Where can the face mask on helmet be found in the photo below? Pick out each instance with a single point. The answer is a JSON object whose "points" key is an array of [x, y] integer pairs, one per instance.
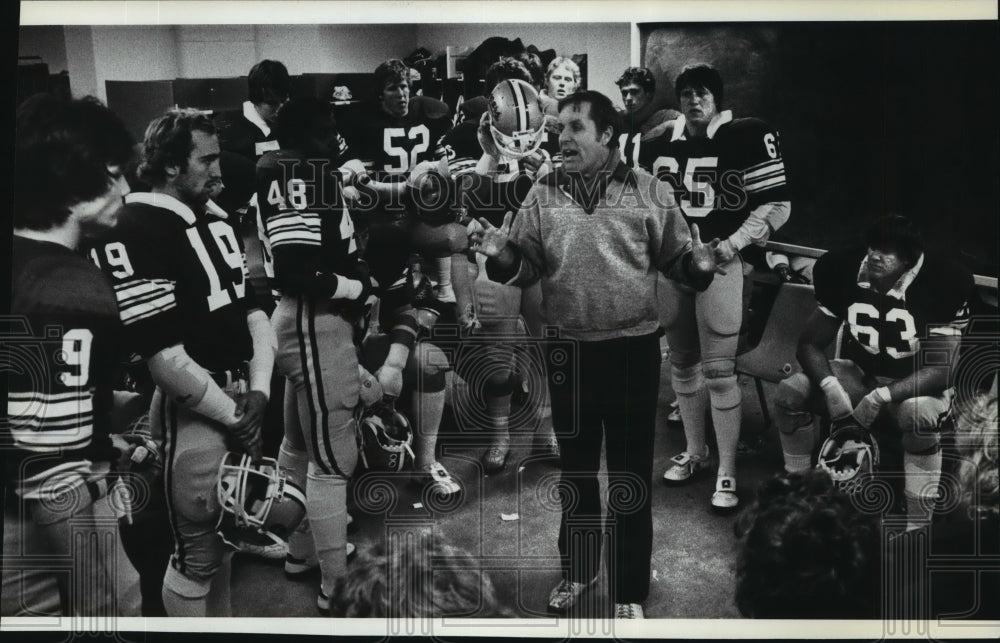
{"points": [[516, 119], [256, 500], [385, 438], [849, 455]]}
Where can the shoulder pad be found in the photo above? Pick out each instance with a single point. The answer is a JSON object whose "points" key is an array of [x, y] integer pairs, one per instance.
{"points": [[749, 126], [74, 286], [430, 108]]}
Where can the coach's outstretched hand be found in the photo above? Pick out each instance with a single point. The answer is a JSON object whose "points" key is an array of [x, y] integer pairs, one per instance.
{"points": [[703, 254], [494, 242]]}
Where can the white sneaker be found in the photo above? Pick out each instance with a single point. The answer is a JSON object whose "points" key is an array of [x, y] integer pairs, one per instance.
{"points": [[725, 499], [437, 478], [303, 568], [629, 610], [269, 551], [300, 568], [674, 417], [446, 293], [685, 466]]}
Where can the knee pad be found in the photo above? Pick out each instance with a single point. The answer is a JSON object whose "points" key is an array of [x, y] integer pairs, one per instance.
{"points": [[294, 461], [186, 587], [315, 472], [793, 393], [719, 368], [724, 391], [427, 368], [687, 380], [920, 436], [790, 401]]}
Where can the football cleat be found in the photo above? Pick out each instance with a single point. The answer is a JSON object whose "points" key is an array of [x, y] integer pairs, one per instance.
{"points": [[848, 454], [385, 438], [257, 500], [517, 121]]}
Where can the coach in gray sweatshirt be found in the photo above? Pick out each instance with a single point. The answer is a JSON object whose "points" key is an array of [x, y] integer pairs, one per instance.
{"points": [[595, 233]]}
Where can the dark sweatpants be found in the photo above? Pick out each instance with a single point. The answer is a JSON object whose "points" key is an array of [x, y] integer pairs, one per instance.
{"points": [[611, 393]]}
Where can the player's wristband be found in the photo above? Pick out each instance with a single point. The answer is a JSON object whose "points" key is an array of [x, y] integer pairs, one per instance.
{"points": [[404, 333], [347, 288], [216, 405], [264, 349], [837, 400], [883, 394], [185, 381], [398, 354]]}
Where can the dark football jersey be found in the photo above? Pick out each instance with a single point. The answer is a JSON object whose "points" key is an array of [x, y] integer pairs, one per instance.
{"points": [[180, 278], [308, 229], [239, 135], [719, 179], [344, 154], [495, 196], [62, 347], [630, 141], [882, 332], [390, 147], [462, 148]]}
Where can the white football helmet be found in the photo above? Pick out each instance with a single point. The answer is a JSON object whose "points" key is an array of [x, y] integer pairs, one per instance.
{"points": [[257, 499], [517, 121]]}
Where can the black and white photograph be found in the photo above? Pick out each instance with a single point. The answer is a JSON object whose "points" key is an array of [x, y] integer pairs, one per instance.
{"points": [[505, 319]]}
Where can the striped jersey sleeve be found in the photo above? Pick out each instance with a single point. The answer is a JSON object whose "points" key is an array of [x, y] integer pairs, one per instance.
{"points": [[755, 150], [61, 348], [308, 231]]}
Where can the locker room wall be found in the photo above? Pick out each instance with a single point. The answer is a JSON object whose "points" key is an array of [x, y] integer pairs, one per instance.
{"points": [[93, 55], [608, 46], [874, 118]]}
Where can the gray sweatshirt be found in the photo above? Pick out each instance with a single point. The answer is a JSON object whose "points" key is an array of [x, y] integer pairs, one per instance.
{"points": [[597, 255]]}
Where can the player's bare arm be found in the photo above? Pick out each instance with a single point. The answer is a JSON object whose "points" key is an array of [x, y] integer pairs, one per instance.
{"points": [[189, 384], [820, 332]]}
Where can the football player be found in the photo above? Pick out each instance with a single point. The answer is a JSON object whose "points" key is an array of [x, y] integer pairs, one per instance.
{"points": [[249, 133], [324, 285], [244, 137], [639, 120], [178, 274], [58, 448], [411, 368], [400, 133], [729, 178], [562, 78], [495, 180], [903, 312]]}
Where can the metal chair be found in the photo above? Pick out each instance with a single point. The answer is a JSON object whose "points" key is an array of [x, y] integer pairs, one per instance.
{"points": [[773, 359]]}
